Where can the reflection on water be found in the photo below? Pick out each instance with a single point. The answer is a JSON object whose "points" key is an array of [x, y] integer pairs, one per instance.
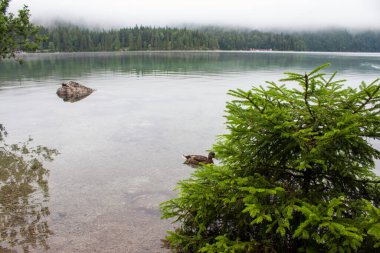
{"points": [[73, 98], [121, 148], [45, 66], [24, 194]]}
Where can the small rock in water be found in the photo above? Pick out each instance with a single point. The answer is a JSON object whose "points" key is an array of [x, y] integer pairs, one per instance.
{"points": [[73, 91]]}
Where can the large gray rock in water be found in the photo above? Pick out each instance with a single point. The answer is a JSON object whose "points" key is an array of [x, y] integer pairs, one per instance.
{"points": [[73, 91]]}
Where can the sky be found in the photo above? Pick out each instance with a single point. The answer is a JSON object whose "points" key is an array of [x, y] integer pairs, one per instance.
{"points": [[253, 14]]}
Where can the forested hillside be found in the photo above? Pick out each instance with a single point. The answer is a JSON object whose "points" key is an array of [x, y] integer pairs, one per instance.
{"points": [[68, 38]]}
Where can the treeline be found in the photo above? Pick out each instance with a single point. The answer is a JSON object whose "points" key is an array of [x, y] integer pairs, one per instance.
{"points": [[68, 38]]}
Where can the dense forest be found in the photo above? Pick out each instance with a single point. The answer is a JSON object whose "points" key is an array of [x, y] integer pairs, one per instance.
{"points": [[69, 38]]}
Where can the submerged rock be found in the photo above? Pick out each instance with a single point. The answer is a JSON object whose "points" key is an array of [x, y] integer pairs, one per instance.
{"points": [[73, 91]]}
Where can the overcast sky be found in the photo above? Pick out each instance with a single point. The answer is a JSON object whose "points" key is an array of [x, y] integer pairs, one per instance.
{"points": [[257, 14]]}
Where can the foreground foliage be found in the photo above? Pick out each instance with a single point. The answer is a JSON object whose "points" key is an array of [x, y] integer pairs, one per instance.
{"points": [[16, 31], [295, 174]]}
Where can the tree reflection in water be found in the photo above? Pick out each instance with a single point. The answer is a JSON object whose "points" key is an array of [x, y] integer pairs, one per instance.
{"points": [[24, 194]]}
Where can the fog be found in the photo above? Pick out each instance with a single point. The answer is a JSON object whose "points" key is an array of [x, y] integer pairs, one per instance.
{"points": [[254, 14]]}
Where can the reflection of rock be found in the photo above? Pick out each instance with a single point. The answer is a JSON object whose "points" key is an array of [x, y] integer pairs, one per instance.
{"points": [[73, 91]]}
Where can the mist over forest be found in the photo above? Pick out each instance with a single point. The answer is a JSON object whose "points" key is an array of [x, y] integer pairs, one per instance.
{"points": [[65, 37]]}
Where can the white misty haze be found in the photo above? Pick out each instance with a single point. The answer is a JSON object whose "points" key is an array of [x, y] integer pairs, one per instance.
{"points": [[257, 14]]}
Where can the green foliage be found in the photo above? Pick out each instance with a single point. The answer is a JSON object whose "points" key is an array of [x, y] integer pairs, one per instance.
{"points": [[67, 38], [16, 32], [295, 173]]}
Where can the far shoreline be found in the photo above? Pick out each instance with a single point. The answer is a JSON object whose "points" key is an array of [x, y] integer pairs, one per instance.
{"points": [[146, 52]]}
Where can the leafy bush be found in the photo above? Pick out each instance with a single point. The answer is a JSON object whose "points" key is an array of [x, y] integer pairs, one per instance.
{"points": [[295, 174], [16, 31]]}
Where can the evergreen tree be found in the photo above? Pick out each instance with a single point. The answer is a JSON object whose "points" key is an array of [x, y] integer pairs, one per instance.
{"points": [[295, 174], [71, 38]]}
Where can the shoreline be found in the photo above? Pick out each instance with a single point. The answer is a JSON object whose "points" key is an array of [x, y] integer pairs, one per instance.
{"points": [[21, 55]]}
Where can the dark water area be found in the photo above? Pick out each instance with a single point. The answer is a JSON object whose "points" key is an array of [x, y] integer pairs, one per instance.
{"points": [[120, 147]]}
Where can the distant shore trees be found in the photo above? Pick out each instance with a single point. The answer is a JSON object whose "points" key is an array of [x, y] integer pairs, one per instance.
{"points": [[70, 38]]}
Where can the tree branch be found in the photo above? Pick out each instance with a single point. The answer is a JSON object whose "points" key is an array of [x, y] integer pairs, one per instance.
{"points": [[370, 96], [306, 96]]}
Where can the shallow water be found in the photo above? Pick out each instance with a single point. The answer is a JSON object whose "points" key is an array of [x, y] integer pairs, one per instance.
{"points": [[121, 146]]}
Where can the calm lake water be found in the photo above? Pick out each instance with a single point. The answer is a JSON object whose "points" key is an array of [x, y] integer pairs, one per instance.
{"points": [[121, 146]]}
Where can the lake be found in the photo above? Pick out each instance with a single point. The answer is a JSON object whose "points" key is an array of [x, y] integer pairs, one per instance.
{"points": [[121, 147]]}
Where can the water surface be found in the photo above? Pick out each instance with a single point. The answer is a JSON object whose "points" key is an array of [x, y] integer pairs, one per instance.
{"points": [[121, 146]]}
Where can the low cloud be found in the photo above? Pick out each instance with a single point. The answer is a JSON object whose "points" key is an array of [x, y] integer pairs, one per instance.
{"points": [[263, 14]]}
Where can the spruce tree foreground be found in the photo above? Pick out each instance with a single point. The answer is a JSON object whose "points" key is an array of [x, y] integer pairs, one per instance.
{"points": [[295, 173]]}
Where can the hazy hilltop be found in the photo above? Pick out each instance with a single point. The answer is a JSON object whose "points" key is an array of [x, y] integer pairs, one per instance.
{"points": [[289, 15], [341, 25]]}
